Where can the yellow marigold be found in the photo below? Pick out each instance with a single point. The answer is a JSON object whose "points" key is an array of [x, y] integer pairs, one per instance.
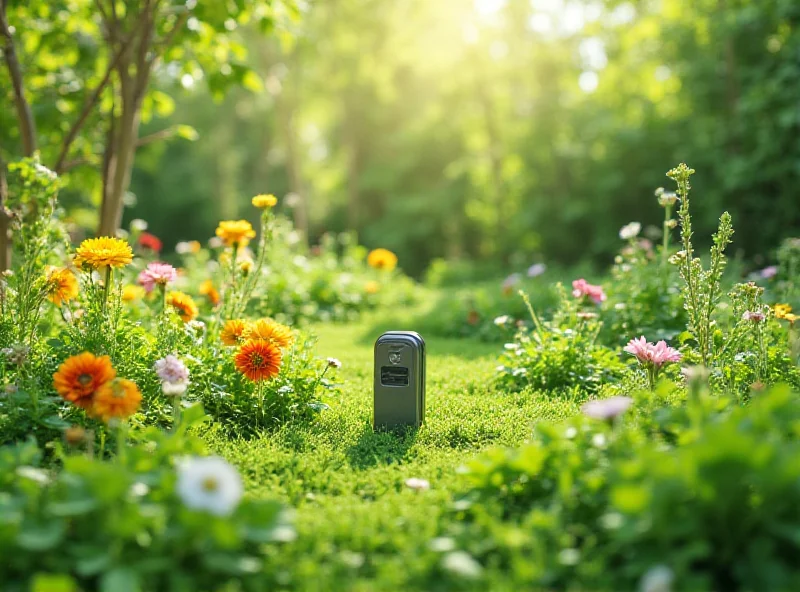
{"points": [[118, 399], [372, 287], [258, 360], [62, 285], [235, 232], [183, 303], [233, 332], [131, 293], [79, 377], [208, 290], [781, 310], [264, 201], [103, 252], [382, 259], [272, 331]]}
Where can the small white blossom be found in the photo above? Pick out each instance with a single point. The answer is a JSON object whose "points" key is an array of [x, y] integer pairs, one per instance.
{"points": [[462, 564], [536, 270], [502, 320], [630, 231], [210, 484], [657, 579], [418, 484], [334, 363], [138, 225]]}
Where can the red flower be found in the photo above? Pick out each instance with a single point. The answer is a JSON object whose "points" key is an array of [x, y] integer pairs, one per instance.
{"points": [[150, 241]]}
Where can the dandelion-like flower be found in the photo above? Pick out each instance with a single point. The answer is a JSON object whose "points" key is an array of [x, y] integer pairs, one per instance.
{"points": [[208, 290], [606, 409], [156, 274], [117, 399], [104, 251], [264, 201], [258, 360], [150, 242], [233, 332], [667, 199], [334, 363], [372, 287], [235, 232], [382, 259], [79, 378], [581, 288], [784, 313], [131, 293], [630, 231], [62, 285], [184, 304], [270, 330], [209, 484], [418, 484]]}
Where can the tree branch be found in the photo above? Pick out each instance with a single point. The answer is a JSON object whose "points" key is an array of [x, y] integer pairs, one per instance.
{"points": [[156, 136], [5, 236], [89, 104], [27, 125]]}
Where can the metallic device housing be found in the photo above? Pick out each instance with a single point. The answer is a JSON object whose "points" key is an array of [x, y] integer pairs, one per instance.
{"points": [[399, 380]]}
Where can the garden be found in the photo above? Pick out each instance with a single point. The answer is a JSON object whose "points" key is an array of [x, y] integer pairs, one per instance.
{"points": [[189, 311]]}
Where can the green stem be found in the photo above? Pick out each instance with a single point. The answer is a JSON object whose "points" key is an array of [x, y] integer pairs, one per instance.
{"points": [[176, 413], [107, 287], [122, 434]]}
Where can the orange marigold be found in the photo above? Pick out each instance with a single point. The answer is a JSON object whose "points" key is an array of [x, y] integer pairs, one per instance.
{"points": [[233, 333], [103, 252], [208, 290], [183, 303], [258, 360], [62, 285], [117, 399], [235, 232], [272, 331], [382, 259], [79, 377]]}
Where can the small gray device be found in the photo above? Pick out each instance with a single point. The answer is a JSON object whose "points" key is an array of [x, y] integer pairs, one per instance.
{"points": [[399, 383]]}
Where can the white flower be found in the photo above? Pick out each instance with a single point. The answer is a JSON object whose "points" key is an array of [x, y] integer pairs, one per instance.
{"points": [[138, 225], [210, 484], [536, 270], [502, 320], [630, 231], [418, 484], [334, 363], [462, 564], [174, 389], [183, 248], [657, 579]]}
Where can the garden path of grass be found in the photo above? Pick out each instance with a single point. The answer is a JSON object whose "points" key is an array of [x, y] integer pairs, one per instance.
{"points": [[359, 526]]}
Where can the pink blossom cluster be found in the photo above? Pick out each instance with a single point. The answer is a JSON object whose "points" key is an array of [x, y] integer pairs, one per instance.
{"points": [[156, 273], [581, 288], [649, 354], [174, 375]]}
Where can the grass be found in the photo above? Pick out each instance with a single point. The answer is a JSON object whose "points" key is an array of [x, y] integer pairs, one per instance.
{"points": [[359, 526]]}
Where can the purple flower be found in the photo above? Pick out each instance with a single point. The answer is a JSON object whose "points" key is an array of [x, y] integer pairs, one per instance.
{"points": [[536, 270], [754, 317], [170, 369], [606, 409], [769, 272]]}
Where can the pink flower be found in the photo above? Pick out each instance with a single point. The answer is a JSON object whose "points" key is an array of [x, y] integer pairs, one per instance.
{"points": [[769, 272], [652, 355], [606, 409], [581, 288], [170, 369], [754, 317], [156, 273]]}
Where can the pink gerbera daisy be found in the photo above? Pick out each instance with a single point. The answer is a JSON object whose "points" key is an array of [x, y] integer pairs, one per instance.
{"points": [[156, 273]]}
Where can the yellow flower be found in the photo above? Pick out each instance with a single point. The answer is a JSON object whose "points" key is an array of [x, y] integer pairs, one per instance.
{"points": [[117, 399], [233, 332], [208, 290], [264, 201], [103, 252], [270, 330], [194, 246], [62, 285], [235, 232], [372, 287], [131, 293], [246, 266], [183, 303], [782, 310], [382, 259]]}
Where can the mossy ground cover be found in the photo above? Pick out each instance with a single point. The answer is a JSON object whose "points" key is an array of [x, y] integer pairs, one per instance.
{"points": [[359, 526]]}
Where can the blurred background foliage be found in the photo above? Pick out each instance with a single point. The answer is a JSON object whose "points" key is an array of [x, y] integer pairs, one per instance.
{"points": [[505, 131]]}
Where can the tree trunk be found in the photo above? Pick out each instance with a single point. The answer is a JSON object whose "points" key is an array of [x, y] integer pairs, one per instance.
{"points": [[5, 230]]}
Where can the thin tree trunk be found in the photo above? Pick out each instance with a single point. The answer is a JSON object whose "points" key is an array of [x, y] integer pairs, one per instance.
{"points": [[5, 230], [27, 125]]}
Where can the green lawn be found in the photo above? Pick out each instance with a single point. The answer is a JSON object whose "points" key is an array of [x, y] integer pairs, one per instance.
{"points": [[359, 526]]}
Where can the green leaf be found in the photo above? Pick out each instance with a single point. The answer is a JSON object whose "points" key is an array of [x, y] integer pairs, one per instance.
{"points": [[41, 537], [72, 507], [252, 82], [187, 132], [93, 564], [120, 579], [53, 583]]}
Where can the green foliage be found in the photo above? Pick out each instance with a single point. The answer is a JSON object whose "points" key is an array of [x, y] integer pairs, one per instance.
{"points": [[124, 524]]}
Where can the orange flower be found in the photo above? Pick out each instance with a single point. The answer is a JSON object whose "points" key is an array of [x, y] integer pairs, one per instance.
{"points": [[62, 285], [235, 232], [272, 331], [79, 377], [117, 399], [183, 303], [207, 289], [233, 332], [382, 259], [103, 252], [258, 360]]}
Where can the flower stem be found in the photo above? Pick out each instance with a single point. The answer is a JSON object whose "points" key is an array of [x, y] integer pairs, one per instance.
{"points": [[107, 287], [176, 413], [122, 435]]}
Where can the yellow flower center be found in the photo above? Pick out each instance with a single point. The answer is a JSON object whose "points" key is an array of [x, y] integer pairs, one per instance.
{"points": [[257, 360], [85, 379], [210, 484]]}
